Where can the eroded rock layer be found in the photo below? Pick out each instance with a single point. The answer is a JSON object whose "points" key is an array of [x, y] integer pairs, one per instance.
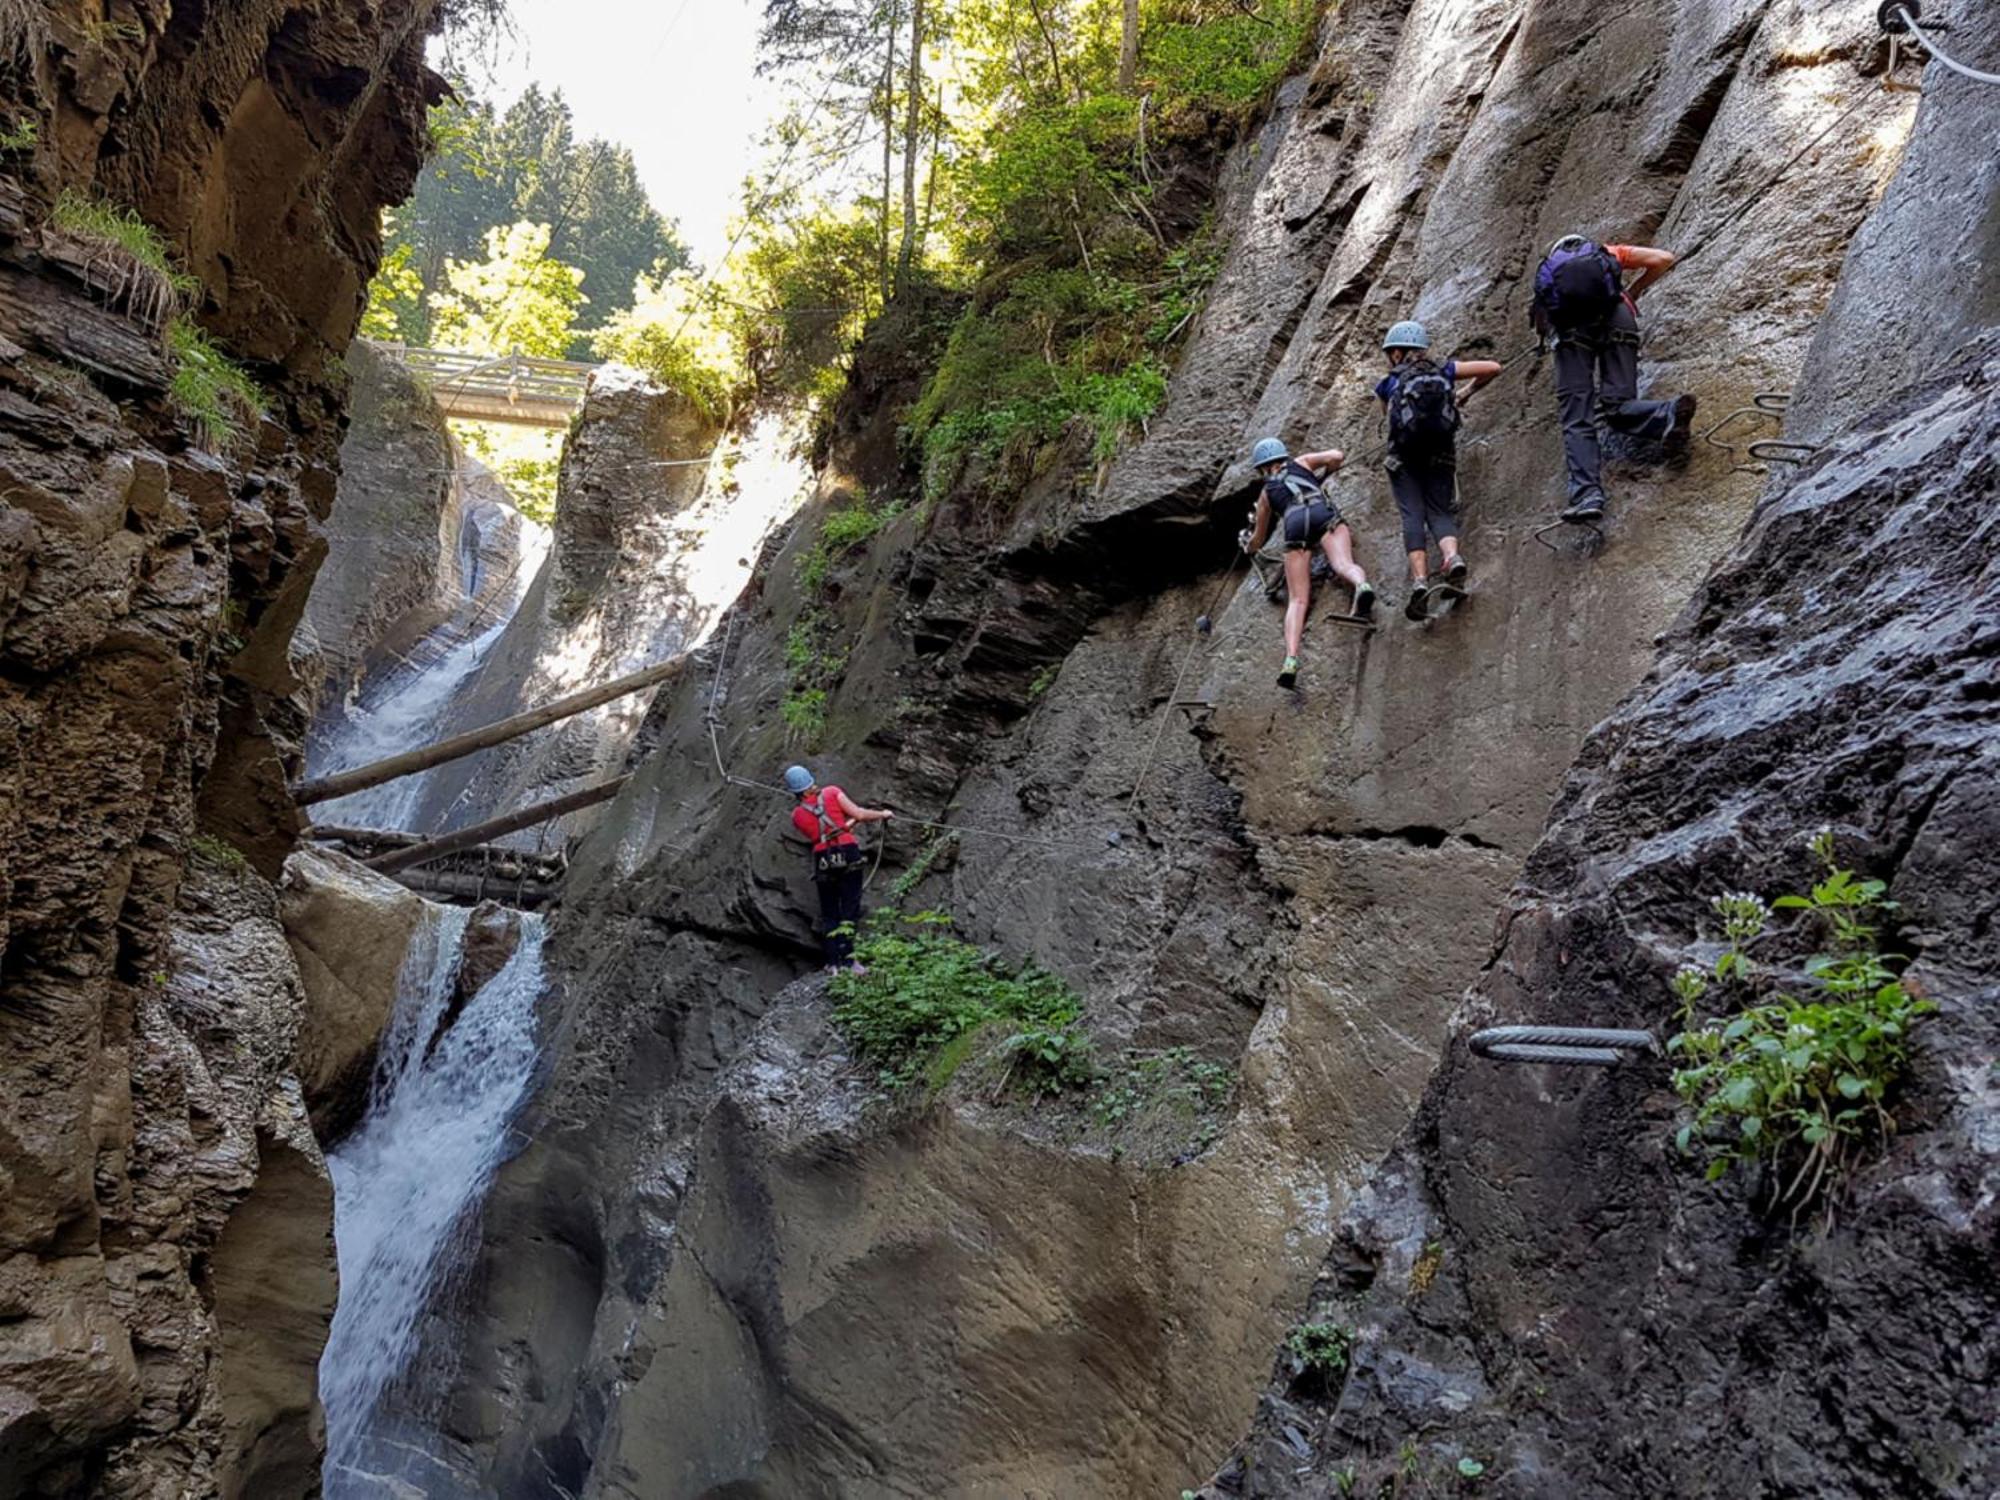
{"points": [[165, 1256]]}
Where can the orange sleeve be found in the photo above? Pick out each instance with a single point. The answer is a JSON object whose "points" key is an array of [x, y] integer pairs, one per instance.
{"points": [[1623, 254]]}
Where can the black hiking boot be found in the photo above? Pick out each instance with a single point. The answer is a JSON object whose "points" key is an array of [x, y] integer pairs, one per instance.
{"points": [[1587, 512], [1364, 602], [1417, 606], [1674, 446], [1288, 674]]}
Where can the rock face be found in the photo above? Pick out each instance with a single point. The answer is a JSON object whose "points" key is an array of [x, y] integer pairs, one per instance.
{"points": [[611, 597], [350, 930], [786, 1293], [426, 554], [164, 1218], [1590, 1318]]}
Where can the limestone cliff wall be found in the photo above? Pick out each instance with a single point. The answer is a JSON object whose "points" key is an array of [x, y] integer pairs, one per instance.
{"points": [[165, 1257], [715, 1265]]}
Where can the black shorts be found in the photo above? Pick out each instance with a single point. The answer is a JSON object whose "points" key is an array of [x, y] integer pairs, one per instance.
{"points": [[1304, 525]]}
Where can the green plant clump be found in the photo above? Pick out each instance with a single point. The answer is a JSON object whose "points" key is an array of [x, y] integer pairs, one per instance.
{"points": [[1319, 1354], [209, 389], [224, 855], [1796, 1082], [927, 995], [21, 137]]}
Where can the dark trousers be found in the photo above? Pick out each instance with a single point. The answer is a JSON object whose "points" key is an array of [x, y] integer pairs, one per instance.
{"points": [[1597, 379], [1426, 491], [839, 906]]}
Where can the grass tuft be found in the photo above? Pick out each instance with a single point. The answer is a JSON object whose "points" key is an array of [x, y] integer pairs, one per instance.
{"points": [[212, 393]]}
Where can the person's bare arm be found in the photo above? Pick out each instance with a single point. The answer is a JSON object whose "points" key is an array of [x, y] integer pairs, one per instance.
{"points": [[1650, 263], [858, 814], [1478, 371], [1261, 531], [1325, 462]]}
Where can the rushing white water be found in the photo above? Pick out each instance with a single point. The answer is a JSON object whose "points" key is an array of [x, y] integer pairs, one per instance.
{"points": [[409, 1181], [420, 696]]}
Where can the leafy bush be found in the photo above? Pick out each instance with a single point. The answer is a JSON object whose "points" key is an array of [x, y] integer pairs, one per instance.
{"points": [[804, 713], [925, 989], [220, 853], [1796, 1083], [212, 393], [1318, 1353], [22, 136]]}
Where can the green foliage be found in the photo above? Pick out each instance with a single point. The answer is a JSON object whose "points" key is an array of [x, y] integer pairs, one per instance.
{"points": [[1175, 1080], [21, 137], [210, 391], [812, 666], [845, 529], [1228, 63], [1044, 680], [1796, 1083], [518, 298], [673, 332], [147, 281], [1470, 1468], [921, 867], [220, 853], [1318, 1353], [489, 170], [396, 311], [925, 989]]}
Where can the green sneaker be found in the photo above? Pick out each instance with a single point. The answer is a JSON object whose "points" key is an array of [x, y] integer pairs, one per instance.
{"points": [[1288, 675]]}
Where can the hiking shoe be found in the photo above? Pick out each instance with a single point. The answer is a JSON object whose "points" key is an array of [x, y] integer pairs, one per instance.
{"points": [[1455, 571], [1586, 511], [1680, 431], [1288, 674], [1364, 602], [1417, 605]]}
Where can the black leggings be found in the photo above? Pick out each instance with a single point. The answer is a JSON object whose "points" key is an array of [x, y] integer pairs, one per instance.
{"points": [[839, 906], [1427, 495]]}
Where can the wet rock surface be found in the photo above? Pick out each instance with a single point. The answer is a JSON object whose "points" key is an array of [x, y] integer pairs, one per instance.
{"points": [[164, 1220], [1300, 887]]}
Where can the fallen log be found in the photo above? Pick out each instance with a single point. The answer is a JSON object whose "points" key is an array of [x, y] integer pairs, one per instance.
{"points": [[306, 793], [493, 828], [459, 886]]}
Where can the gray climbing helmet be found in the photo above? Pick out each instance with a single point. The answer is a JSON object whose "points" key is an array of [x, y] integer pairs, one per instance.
{"points": [[798, 779], [1269, 451], [1407, 335], [1568, 242]]}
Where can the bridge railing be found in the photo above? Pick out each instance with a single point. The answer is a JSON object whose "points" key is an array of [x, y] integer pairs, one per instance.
{"points": [[518, 379]]}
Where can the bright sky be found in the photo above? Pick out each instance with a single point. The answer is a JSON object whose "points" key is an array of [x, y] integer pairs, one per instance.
{"points": [[673, 79]]}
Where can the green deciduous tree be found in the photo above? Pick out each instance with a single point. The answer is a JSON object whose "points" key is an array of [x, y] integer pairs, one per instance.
{"points": [[518, 297]]}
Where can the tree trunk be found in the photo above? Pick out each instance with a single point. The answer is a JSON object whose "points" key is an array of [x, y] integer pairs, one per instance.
{"points": [[888, 156], [481, 833], [460, 745], [1128, 49], [913, 122]]}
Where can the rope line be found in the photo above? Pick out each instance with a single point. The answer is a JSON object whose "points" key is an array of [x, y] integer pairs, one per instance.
{"points": [[1938, 53]]}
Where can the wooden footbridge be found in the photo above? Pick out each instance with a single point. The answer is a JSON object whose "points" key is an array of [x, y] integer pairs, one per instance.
{"points": [[516, 388]]}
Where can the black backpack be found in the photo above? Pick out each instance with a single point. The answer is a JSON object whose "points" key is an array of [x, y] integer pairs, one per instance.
{"points": [[1579, 289], [1423, 409]]}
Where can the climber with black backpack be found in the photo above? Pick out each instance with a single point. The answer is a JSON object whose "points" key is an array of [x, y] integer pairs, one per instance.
{"points": [[826, 817], [1421, 398], [1294, 503], [1582, 301]]}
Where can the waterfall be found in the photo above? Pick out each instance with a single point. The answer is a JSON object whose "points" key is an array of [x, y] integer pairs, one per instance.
{"points": [[408, 1184], [412, 706]]}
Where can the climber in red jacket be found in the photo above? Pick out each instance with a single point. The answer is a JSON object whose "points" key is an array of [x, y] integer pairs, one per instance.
{"points": [[826, 816]]}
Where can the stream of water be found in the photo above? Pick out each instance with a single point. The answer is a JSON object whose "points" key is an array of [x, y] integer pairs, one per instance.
{"points": [[408, 1184]]}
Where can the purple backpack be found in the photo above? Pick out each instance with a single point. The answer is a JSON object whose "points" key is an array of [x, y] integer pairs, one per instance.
{"points": [[1579, 288]]}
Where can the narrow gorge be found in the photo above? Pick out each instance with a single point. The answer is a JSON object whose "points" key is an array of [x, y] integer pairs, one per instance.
{"points": [[557, 1166]]}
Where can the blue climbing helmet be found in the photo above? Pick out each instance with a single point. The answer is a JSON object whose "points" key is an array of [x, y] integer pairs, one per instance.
{"points": [[1407, 334], [798, 779], [1269, 451]]}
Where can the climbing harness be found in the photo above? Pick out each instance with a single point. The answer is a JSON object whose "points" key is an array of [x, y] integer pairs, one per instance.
{"points": [[1899, 18], [1577, 1046]]}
